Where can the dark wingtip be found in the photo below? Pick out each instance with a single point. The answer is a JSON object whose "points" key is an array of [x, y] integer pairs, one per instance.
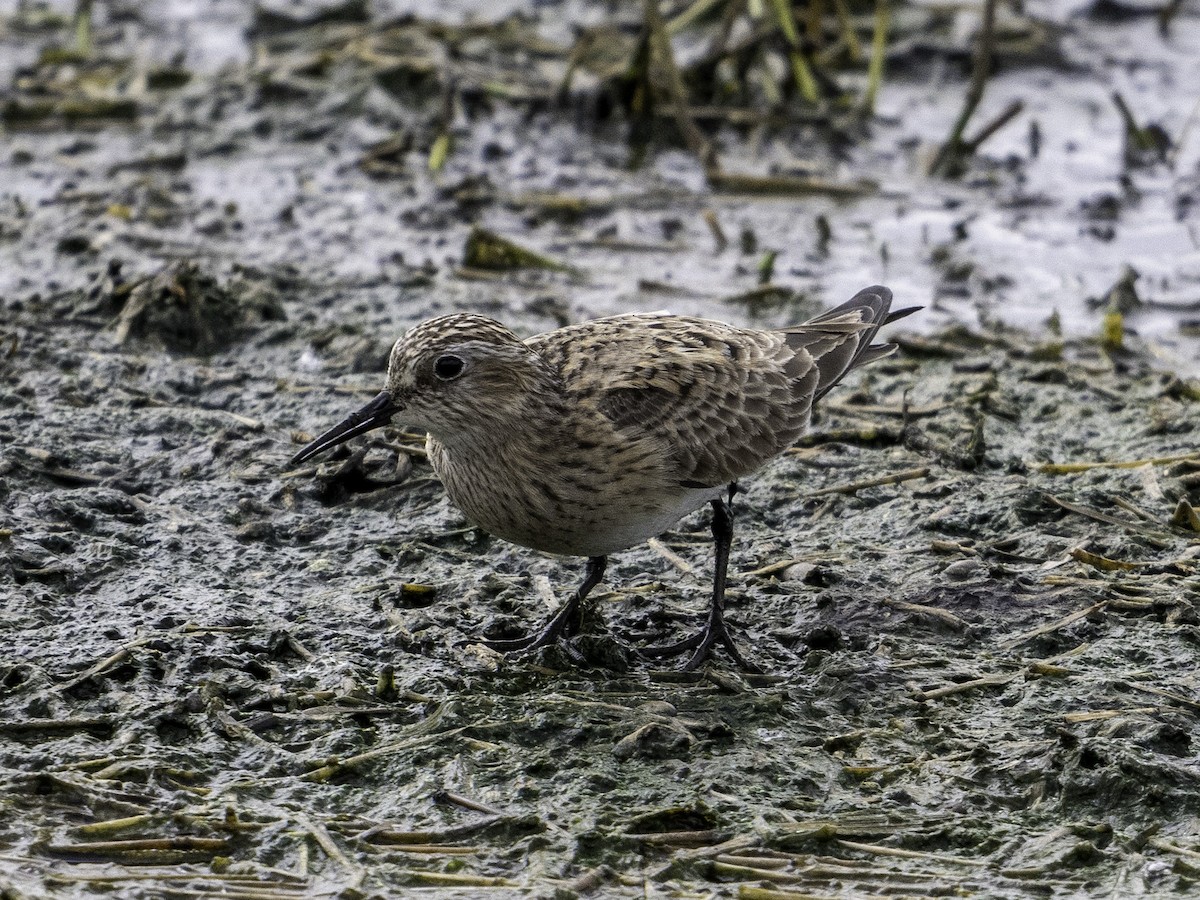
{"points": [[901, 313], [877, 296]]}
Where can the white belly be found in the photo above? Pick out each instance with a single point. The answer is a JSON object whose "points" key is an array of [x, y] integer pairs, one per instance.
{"points": [[613, 531], [556, 515]]}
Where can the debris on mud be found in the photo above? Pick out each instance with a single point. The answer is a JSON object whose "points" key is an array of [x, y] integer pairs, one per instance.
{"points": [[973, 585], [487, 250], [187, 310]]}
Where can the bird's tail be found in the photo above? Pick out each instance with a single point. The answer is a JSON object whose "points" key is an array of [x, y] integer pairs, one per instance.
{"points": [[856, 322]]}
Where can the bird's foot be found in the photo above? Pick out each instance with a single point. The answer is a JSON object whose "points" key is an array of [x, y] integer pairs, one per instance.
{"points": [[563, 624], [714, 632]]}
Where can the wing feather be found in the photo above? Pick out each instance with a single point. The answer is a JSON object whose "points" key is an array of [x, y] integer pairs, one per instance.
{"points": [[721, 401]]}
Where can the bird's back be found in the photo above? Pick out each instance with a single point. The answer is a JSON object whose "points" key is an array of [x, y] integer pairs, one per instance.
{"points": [[721, 400]]}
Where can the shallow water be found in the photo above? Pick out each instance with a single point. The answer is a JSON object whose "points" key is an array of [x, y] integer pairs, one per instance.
{"points": [[1018, 226]]}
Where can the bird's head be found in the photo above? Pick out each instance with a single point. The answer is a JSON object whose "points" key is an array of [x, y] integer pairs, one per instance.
{"points": [[450, 376]]}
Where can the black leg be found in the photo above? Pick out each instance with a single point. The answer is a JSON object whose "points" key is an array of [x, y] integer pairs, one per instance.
{"points": [[565, 622], [715, 630]]}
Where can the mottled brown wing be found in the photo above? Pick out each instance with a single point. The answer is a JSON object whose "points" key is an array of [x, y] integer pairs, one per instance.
{"points": [[720, 400]]}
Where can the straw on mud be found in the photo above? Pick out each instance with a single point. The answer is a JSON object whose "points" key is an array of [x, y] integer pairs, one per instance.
{"points": [[164, 850], [421, 734], [1010, 112], [381, 834], [826, 867], [1185, 516], [82, 26], [1101, 715], [591, 880], [126, 651], [876, 481], [1129, 506], [1071, 468], [329, 770], [1181, 140], [104, 665], [788, 186], [225, 893], [1041, 630], [430, 849], [944, 546], [1183, 852], [752, 892], [932, 612], [108, 848], [96, 796], [44, 463], [681, 838], [660, 39], [449, 879], [485, 250], [1139, 136], [962, 687], [1044, 667], [729, 682], [880, 850], [780, 861], [628, 246], [951, 151], [849, 33], [773, 568], [1138, 587], [466, 803], [1103, 563], [439, 152], [1186, 702], [1153, 535], [878, 51], [712, 851], [720, 41], [110, 825], [743, 871], [692, 14], [242, 887], [56, 726], [356, 872], [671, 556], [714, 225], [806, 85]]}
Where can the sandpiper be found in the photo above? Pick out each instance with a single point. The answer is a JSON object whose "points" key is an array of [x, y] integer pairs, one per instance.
{"points": [[599, 436]]}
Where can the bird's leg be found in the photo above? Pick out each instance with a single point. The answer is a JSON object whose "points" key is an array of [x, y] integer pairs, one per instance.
{"points": [[565, 622], [715, 630]]}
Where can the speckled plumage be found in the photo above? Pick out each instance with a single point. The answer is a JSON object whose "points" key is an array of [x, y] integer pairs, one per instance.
{"points": [[596, 437]]}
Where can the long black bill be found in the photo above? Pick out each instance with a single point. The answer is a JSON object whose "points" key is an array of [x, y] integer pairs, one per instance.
{"points": [[375, 414]]}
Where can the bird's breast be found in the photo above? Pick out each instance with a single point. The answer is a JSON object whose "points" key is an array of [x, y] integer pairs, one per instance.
{"points": [[577, 498]]}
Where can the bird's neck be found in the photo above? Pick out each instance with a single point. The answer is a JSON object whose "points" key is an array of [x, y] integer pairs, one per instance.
{"points": [[503, 428]]}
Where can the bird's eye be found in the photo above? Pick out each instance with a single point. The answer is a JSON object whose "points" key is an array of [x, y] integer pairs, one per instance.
{"points": [[448, 367]]}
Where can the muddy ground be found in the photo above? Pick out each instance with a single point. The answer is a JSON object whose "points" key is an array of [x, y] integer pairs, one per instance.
{"points": [[224, 677]]}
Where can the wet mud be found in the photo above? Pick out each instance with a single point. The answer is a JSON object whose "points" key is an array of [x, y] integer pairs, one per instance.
{"points": [[973, 586]]}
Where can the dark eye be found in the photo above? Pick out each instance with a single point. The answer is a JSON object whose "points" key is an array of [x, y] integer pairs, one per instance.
{"points": [[448, 367]]}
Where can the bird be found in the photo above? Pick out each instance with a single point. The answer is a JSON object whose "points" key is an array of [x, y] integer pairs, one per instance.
{"points": [[595, 437]]}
